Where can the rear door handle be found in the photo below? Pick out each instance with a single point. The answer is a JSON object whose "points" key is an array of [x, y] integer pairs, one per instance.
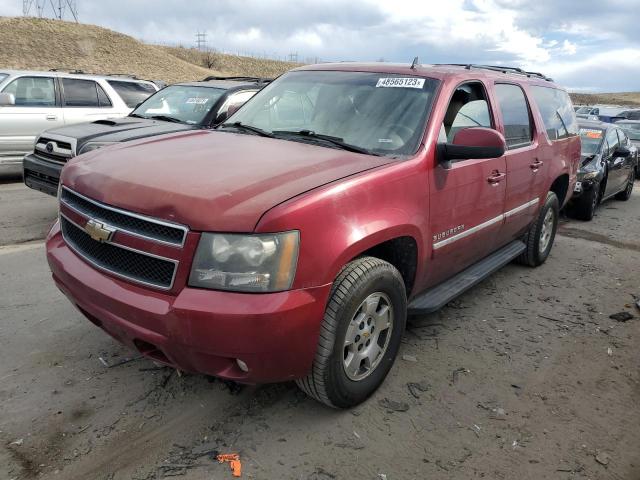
{"points": [[496, 177], [536, 165], [52, 117]]}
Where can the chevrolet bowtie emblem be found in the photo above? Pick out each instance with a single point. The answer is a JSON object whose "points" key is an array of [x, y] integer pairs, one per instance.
{"points": [[99, 231]]}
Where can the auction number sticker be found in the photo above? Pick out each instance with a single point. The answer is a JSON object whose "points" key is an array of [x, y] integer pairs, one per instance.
{"points": [[197, 101], [400, 82], [590, 133]]}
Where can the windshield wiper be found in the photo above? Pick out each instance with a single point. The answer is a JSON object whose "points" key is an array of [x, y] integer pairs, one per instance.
{"points": [[165, 118], [136, 115], [337, 141], [248, 128]]}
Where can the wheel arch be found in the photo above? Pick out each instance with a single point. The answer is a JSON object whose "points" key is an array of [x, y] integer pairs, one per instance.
{"points": [[396, 246], [560, 187]]}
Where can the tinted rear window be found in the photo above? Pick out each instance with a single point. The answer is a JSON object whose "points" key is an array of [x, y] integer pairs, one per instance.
{"points": [[83, 93], [132, 93], [557, 112], [515, 115]]}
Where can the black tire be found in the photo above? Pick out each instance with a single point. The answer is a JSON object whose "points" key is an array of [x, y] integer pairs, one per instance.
{"points": [[327, 381], [626, 193], [585, 207], [533, 255]]}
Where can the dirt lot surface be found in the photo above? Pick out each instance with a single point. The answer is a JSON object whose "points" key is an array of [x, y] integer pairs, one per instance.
{"points": [[524, 377]]}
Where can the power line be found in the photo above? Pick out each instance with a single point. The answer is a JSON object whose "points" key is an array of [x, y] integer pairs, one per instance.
{"points": [[201, 41], [53, 8]]}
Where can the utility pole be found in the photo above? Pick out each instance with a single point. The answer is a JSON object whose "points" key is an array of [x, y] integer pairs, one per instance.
{"points": [[57, 8], [201, 41]]}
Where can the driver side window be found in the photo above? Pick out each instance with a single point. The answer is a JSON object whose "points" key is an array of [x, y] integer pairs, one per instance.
{"points": [[468, 108]]}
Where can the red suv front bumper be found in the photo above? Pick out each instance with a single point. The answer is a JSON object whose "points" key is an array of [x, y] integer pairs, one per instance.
{"points": [[198, 330]]}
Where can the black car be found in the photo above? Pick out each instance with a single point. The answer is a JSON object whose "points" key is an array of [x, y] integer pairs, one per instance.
{"points": [[607, 167], [179, 107], [632, 129]]}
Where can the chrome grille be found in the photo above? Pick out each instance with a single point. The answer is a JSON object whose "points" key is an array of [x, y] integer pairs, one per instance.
{"points": [[145, 227], [118, 260], [61, 153]]}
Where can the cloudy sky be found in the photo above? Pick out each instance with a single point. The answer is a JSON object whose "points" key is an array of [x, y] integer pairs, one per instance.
{"points": [[587, 45]]}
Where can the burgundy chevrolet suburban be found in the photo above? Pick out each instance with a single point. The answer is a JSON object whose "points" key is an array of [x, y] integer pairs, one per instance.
{"points": [[293, 241]]}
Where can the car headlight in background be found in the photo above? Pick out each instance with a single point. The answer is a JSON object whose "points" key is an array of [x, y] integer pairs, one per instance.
{"points": [[88, 147], [584, 176], [245, 263]]}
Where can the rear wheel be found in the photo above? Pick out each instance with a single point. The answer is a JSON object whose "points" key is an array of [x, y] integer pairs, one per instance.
{"points": [[626, 193], [539, 239], [360, 334], [585, 207]]}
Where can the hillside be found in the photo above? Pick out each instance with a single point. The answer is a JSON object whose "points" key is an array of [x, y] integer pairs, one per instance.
{"points": [[627, 98], [232, 64], [43, 44]]}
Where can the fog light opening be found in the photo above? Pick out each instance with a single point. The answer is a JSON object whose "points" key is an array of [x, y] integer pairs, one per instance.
{"points": [[242, 366]]}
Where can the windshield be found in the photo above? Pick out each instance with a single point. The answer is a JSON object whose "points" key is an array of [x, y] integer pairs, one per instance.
{"points": [[188, 104], [591, 139], [584, 110], [379, 113], [631, 129]]}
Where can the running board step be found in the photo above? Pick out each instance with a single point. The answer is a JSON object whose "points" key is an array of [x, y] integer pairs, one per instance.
{"points": [[437, 297]]}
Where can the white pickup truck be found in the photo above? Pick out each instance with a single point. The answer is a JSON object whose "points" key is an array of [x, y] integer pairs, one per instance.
{"points": [[31, 102]]}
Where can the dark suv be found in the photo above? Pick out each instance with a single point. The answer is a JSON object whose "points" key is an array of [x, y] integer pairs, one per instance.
{"points": [[291, 242], [176, 108]]}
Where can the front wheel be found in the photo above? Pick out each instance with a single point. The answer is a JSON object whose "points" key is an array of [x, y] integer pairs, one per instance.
{"points": [[626, 193], [539, 239], [360, 334], [586, 205]]}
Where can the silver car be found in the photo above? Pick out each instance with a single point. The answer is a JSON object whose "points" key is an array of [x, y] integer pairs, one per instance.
{"points": [[31, 102]]}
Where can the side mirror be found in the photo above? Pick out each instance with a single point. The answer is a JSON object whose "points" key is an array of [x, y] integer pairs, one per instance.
{"points": [[7, 99], [622, 151], [474, 142]]}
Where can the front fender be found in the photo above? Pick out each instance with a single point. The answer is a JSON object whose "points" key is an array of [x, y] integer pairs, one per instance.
{"points": [[340, 221]]}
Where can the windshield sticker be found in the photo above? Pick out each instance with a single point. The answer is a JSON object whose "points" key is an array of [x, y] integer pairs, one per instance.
{"points": [[197, 101], [590, 133], [400, 82]]}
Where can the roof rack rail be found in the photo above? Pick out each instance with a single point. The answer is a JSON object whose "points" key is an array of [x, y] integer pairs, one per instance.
{"points": [[73, 72], [237, 78], [128, 75], [500, 68]]}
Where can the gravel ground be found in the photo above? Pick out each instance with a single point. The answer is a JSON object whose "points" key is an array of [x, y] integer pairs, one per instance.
{"points": [[525, 376]]}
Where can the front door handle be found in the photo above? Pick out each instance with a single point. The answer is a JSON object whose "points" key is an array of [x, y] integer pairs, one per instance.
{"points": [[496, 177], [52, 117], [536, 165]]}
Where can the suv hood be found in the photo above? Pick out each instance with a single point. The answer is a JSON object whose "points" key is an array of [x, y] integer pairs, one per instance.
{"points": [[209, 180], [118, 130]]}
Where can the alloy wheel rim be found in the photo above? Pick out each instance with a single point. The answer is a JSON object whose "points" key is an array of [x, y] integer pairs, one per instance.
{"points": [[368, 336], [547, 230]]}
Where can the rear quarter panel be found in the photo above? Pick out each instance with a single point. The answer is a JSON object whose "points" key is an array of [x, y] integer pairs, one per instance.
{"points": [[561, 157]]}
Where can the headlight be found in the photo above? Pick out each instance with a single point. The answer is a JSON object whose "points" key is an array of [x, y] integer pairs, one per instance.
{"points": [[587, 175], [245, 263], [88, 147]]}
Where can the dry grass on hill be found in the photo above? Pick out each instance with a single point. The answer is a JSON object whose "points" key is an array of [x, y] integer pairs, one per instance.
{"points": [[232, 64], [43, 44], [627, 98]]}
